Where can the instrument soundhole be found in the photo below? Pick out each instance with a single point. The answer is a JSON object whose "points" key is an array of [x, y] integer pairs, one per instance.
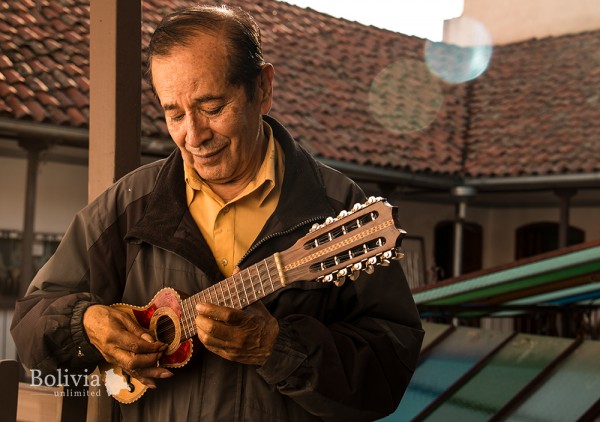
{"points": [[165, 329]]}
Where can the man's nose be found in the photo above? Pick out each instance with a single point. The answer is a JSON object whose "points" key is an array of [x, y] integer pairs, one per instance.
{"points": [[198, 130]]}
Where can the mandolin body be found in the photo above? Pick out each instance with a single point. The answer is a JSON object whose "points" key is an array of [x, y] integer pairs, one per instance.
{"points": [[161, 319]]}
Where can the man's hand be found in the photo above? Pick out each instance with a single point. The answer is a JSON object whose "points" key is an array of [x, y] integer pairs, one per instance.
{"points": [[245, 336], [124, 343]]}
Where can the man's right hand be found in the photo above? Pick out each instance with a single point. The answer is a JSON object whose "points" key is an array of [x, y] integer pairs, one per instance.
{"points": [[124, 343]]}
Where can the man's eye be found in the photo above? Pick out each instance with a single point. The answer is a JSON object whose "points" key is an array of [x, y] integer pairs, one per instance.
{"points": [[213, 111], [177, 118]]}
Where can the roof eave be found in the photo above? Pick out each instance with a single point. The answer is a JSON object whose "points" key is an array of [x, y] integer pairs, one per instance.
{"points": [[368, 173], [554, 181]]}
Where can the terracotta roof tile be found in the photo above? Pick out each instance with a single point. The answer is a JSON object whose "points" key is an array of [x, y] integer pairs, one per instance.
{"points": [[538, 102], [535, 110]]}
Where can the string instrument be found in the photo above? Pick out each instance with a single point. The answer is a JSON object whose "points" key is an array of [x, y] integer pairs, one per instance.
{"points": [[356, 240]]}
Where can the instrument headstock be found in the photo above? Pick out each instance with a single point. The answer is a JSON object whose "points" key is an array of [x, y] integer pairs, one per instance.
{"points": [[356, 240]]}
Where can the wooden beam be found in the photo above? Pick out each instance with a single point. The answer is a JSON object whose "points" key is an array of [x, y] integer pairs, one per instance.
{"points": [[34, 150], [115, 91], [115, 113]]}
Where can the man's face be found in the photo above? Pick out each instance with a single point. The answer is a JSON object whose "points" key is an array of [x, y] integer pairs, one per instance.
{"points": [[218, 130]]}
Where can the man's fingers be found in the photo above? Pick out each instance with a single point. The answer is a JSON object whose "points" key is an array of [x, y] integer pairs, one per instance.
{"points": [[133, 361], [109, 328], [147, 375], [215, 312], [139, 332], [154, 372]]}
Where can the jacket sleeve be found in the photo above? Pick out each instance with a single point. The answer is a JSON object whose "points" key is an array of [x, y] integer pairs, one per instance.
{"points": [[47, 324], [355, 360]]}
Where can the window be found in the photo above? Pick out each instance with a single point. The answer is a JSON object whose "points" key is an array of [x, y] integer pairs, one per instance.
{"points": [[536, 238], [444, 248], [10, 258]]}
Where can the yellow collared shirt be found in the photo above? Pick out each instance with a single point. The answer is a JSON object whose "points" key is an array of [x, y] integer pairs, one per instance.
{"points": [[231, 228]]}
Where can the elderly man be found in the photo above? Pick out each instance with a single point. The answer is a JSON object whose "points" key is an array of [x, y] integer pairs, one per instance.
{"points": [[236, 190]]}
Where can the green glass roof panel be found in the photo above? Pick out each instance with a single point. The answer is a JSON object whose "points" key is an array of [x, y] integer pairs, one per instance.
{"points": [[432, 332], [569, 391], [560, 294], [552, 297], [447, 362], [493, 290], [518, 273], [510, 369]]}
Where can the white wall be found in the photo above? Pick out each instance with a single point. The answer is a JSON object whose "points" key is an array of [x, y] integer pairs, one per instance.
{"points": [[12, 193], [420, 219], [500, 226], [509, 21], [61, 192]]}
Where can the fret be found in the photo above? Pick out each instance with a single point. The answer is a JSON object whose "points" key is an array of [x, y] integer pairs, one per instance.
{"points": [[211, 290], [252, 285], [185, 318], [192, 325], [260, 282], [186, 323], [226, 281], [222, 293], [270, 278], [244, 287], [237, 293]]}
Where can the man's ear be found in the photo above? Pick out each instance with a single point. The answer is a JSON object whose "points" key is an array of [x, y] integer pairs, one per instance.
{"points": [[265, 87]]}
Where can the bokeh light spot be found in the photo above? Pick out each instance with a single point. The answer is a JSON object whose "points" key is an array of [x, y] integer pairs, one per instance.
{"points": [[465, 60], [405, 97]]}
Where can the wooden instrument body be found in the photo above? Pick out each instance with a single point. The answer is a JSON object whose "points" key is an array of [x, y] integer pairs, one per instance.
{"points": [[161, 319]]}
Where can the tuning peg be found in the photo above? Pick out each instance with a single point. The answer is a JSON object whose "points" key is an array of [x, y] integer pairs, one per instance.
{"points": [[370, 269], [329, 220], [354, 275], [341, 278], [343, 214], [328, 278], [358, 266], [356, 207]]}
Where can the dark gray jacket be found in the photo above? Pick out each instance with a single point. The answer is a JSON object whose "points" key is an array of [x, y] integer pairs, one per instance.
{"points": [[342, 354]]}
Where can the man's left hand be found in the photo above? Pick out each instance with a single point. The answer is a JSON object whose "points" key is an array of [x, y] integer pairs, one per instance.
{"points": [[245, 336]]}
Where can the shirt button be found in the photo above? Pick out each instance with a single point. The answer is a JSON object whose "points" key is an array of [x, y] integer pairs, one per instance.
{"points": [[224, 262], [226, 209]]}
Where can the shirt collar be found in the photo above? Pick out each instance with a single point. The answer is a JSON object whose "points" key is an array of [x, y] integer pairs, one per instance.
{"points": [[263, 183]]}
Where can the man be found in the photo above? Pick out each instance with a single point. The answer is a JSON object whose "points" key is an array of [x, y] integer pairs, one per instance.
{"points": [[236, 190]]}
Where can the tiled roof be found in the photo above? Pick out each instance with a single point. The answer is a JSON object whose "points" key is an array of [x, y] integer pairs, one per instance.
{"points": [[536, 111], [335, 82]]}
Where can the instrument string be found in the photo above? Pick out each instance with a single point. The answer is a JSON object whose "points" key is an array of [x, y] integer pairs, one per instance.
{"points": [[237, 291], [242, 289]]}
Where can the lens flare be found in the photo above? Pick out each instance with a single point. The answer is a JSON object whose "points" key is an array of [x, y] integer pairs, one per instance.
{"points": [[466, 58], [405, 97]]}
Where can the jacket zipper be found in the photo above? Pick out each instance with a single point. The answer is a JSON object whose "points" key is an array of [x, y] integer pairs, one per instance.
{"points": [[277, 234]]}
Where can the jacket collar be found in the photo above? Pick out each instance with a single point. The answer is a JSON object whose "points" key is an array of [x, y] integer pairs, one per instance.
{"points": [[168, 224]]}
